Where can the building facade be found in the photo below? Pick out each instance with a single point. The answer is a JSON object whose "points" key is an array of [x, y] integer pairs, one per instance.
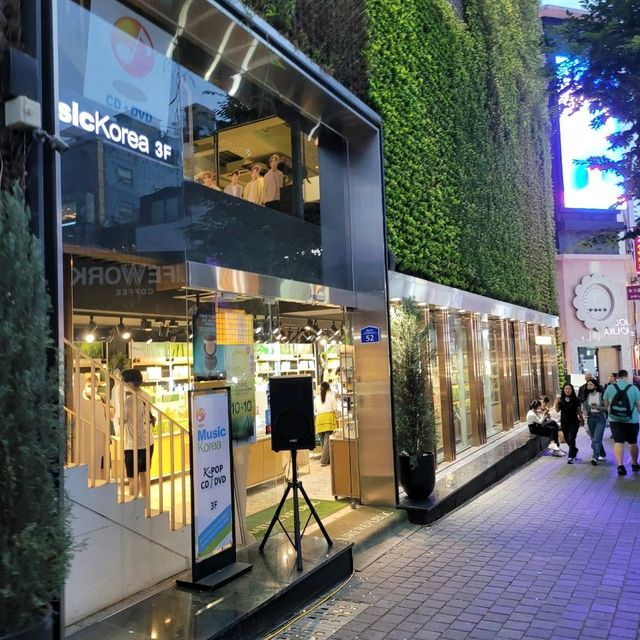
{"points": [[218, 215]]}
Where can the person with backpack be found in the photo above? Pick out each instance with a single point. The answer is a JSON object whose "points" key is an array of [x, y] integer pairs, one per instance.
{"points": [[622, 400]]}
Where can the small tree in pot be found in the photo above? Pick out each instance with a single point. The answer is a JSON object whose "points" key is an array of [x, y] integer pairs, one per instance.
{"points": [[415, 422], [34, 531]]}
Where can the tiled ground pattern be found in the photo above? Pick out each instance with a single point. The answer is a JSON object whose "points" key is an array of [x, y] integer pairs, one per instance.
{"points": [[551, 552]]}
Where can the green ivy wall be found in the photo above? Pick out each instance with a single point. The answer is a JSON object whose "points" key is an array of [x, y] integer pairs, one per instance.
{"points": [[466, 147]]}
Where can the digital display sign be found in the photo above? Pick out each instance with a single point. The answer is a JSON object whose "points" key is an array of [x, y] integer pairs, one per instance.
{"points": [[586, 188]]}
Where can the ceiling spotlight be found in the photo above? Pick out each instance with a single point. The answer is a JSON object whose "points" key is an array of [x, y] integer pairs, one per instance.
{"points": [[123, 332], [149, 339], [173, 324], [145, 325], [257, 329], [90, 332], [309, 325], [317, 329]]}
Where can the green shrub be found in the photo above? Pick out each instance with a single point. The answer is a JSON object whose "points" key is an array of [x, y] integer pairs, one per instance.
{"points": [[34, 531]]}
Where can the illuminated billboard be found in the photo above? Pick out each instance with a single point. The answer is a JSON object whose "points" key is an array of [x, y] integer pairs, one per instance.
{"points": [[586, 188]]}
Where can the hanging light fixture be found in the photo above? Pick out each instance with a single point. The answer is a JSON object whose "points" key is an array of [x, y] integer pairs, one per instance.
{"points": [[123, 332], [90, 332], [309, 325], [145, 325]]}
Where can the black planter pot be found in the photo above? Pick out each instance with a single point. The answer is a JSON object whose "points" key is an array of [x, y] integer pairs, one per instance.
{"points": [[418, 482], [42, 630]]}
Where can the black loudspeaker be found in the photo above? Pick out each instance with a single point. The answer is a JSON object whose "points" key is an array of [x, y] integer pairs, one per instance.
{"points": [[292, 419]]}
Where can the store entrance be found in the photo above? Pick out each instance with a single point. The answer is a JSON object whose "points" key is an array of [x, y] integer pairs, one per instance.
{"points": [[256, 339], [178, 337]]}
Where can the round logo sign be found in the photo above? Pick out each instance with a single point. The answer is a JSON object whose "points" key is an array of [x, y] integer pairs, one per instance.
{"points": [[200, 415], [132, 46]]}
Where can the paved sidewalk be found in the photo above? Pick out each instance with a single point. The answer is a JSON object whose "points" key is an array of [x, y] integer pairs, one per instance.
{"points": [[551, 552]]}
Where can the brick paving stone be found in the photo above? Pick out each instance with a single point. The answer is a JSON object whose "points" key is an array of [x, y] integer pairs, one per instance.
{"points": [[550, 552]]}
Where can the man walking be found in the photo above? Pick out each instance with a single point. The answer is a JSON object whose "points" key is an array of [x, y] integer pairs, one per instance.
{"points": [[622, 400]]}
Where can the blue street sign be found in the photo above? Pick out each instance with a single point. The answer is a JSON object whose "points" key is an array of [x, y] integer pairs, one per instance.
{"points": [[369, 335]]}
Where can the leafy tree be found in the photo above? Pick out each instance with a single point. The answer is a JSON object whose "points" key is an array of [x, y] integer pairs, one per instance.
{"points": [[603, 71], [415, 421], [34, 529]]}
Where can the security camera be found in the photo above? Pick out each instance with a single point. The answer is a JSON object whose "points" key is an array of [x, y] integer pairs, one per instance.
{"points": [[57, 144]]}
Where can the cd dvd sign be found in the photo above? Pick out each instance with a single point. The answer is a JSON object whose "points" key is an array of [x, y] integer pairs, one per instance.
{"points": [[126, 69], [132, 46]]}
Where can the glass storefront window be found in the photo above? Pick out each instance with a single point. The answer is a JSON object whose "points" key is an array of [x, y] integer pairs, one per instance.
{"points": [[491, 377], [176, 154], [433, 382], [515, 386], [460, 384]]}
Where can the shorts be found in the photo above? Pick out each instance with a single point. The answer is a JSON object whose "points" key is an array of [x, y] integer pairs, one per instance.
{"points": [[142, 460], [624, 432]]}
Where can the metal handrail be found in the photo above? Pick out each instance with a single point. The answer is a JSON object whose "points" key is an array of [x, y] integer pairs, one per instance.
{"points": [[92, 442]]}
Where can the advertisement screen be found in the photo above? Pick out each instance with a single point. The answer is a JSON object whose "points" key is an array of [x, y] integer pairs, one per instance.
{"points": [[586, 188]]}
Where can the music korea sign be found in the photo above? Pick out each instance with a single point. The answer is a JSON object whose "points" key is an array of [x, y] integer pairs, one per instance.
{"points": [[105, 127]]}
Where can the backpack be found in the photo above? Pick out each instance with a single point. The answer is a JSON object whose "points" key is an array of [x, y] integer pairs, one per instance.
{"points": [[620, 406]]}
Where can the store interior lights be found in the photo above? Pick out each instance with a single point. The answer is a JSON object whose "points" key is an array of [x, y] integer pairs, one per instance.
{"points": [[145, 325], [90, 333], [123, 332]]}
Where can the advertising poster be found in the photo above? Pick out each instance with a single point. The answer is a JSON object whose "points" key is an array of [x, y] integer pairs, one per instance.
{"points": [[206, 359], [239, 366], [126, 66], [212, 473]]}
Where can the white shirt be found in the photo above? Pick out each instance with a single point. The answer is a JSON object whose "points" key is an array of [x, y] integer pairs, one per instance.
{"points": [[253, 191], [328, 406], [234, 191], [129, 423], [273, 181], [595, 397], [534, 418]]}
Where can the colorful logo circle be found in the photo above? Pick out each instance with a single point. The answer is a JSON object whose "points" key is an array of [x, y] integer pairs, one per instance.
{"points": [[200, 415], [132, 46]]}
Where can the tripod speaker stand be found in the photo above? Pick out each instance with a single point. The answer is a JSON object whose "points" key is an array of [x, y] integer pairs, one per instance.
{"points": [[294, 485]]}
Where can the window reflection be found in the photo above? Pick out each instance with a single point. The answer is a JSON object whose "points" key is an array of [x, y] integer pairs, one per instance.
{"points": [[181, 156]]}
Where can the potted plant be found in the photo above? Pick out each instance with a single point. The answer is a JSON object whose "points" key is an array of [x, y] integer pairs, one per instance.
{"points": [[34, 528], [415, 422]]}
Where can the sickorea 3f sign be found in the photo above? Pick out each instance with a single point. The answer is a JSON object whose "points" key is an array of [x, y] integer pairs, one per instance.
{"points": [[105, 127], [212, 473]]}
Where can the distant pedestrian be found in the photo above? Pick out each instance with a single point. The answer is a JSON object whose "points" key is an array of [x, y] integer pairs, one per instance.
{"points": [[613, 378], [326, 421], [582, 391], [570, 418], [593, 407], [622, 400], [540, 425]]}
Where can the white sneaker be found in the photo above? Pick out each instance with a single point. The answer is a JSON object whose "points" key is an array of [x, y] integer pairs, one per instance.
{"points": [[553, 446], [558, 453]]}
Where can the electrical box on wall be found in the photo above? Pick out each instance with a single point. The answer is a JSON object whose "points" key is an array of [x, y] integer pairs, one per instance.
{"points": [[22, 113]]}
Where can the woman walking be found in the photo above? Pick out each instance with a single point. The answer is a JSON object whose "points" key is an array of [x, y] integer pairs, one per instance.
{"points": [[593, 408], [326, 412], [570, 418]]}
